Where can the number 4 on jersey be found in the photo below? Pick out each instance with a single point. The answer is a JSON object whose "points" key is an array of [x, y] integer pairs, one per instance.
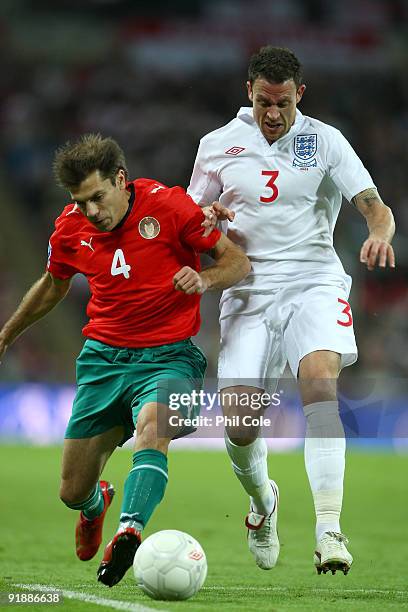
{"points": [[119, 265]]}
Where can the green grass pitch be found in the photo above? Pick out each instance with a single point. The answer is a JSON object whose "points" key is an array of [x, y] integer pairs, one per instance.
{"points": [[204, 499]]}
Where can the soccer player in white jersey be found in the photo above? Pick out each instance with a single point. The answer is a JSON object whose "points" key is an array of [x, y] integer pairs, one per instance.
{"points": [[283, 175]]}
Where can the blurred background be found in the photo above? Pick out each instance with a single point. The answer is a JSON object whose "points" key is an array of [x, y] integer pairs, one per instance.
{"points": [[157, 77]]}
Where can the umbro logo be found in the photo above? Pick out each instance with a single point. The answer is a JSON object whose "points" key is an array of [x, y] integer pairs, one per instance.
{"points": [[88, 244], [235, 150]]}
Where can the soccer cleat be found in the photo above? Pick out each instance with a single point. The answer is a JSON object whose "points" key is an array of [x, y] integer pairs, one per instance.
{"points": [[118, 556], [88, 533], [263, 538], [331, 554]]}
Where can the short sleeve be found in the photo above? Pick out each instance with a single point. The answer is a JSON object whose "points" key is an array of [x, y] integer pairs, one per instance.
{"points": [[205, 186], [58, 263], [190, 218], [345, 167]]}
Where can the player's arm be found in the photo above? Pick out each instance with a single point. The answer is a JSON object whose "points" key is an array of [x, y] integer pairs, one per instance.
{"points": [[231, 265], [381, 227], [37, 302], [205, 187]]}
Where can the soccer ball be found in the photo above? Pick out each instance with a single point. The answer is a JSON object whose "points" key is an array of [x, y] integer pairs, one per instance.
{"points": [[170, 565]]}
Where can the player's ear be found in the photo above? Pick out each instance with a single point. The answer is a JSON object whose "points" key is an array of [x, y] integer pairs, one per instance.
{"points": [[249, 91], [299, 92], [121, 178]]}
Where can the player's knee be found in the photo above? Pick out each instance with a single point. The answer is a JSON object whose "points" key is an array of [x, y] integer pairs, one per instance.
{"points": [[241, 436], [147, 436], [242, 441], [72, 493], [242, 428], [318, 390]]}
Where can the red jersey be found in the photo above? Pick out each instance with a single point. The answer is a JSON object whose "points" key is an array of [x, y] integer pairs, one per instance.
{"points": [[130, 269]]}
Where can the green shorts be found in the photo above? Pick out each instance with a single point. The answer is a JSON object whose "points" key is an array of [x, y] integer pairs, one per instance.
{"points": [[115, 383]]}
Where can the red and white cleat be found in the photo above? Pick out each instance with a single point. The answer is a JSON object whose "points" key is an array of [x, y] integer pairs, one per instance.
{"points": [[88, 533], [118, 556]]}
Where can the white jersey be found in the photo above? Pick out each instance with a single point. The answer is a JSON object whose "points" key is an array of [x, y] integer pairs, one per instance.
{"points": [[286, 196]]}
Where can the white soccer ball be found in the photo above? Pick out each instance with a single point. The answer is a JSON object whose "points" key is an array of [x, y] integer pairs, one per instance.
{"points": [[170, 565]]}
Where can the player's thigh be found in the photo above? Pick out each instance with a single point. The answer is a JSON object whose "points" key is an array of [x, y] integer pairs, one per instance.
{"points": [[167, 392], [246, 346], [83, 460], [321, 321]]}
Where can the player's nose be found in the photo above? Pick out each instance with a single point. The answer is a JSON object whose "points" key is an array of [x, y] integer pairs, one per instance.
{"points": [[273, 113], [91, 210]]}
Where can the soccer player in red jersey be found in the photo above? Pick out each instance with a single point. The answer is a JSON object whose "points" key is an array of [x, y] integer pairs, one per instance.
{"points": [[138, 244]]}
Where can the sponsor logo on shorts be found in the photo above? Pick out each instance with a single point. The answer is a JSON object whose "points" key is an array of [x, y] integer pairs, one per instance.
{"points": [[149, 228]]}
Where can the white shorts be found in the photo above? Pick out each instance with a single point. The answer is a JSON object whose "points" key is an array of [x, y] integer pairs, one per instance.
{"points": [[263, 330]]}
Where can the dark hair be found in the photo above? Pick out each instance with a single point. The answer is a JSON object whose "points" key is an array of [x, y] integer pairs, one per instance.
{"points": [[275, 64], [74, 162]]}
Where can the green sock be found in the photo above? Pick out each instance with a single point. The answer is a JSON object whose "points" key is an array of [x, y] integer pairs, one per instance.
{"points": [[144, 487], [93, 506]]}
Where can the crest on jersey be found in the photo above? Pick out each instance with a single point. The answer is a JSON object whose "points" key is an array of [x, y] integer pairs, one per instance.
{"points": [[149, 228], [305, 148]]}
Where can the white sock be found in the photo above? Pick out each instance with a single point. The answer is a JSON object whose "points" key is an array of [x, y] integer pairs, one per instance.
{"points": [[250, 465], [325, 447]]}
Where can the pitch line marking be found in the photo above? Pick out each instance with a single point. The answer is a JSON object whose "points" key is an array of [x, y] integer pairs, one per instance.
{"points": [[92, 599], [308, 590]]}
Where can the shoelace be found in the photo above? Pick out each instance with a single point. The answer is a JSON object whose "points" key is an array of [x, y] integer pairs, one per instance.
{"points": [[263, 535], [335, 539]]}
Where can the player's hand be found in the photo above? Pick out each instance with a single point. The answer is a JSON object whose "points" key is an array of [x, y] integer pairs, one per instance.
{"points": [[215, 212], [223, 213], [377, 251], [189, 281]]}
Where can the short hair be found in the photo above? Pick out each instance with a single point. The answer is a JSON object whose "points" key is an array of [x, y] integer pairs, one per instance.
{"points": [[74, 162], [276, 65]]}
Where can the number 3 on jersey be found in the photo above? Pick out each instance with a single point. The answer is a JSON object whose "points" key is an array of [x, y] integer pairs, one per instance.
{"points": [[119, 265], [272, 185]]}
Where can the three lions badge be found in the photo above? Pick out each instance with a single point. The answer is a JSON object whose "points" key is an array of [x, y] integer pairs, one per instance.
{"points": [[305, 149]]}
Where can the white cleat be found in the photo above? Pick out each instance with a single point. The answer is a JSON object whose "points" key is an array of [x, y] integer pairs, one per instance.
{"points": [[263, 538], [331, 553]]}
